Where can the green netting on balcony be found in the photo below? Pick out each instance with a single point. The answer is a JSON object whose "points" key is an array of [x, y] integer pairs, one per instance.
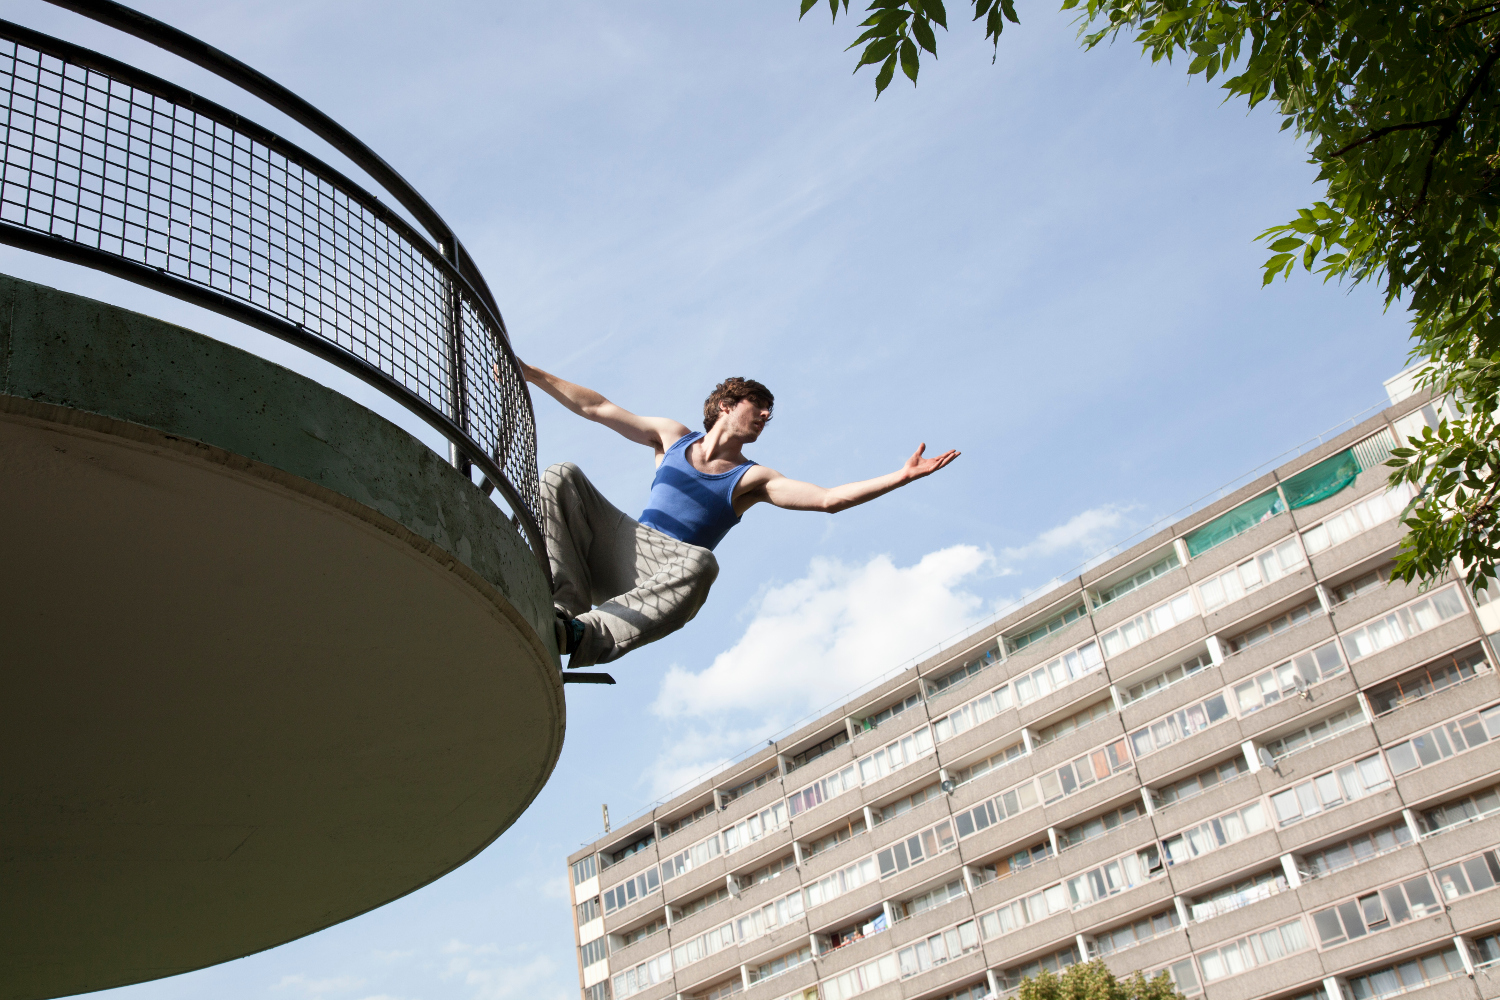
{"points": [[1322, 480], [1224, 527]]}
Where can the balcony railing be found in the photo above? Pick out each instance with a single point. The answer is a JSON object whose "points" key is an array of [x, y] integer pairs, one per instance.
{"points": [[115, 169]]}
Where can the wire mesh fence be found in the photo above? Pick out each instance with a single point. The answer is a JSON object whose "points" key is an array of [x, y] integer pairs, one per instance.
{"points": [[115, 161]]}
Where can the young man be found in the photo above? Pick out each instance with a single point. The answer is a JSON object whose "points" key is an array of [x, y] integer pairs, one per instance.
{"points": [[619, 583]]}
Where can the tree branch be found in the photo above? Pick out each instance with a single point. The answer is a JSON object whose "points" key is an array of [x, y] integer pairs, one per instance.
{"points": [[1452, 122], [1381, 133]]}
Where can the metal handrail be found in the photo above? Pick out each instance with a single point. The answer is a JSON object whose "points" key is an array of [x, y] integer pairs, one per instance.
{"points": [[115, 169]]}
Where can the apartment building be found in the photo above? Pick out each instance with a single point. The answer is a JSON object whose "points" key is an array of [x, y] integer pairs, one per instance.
{"points": [[1235, 752]]}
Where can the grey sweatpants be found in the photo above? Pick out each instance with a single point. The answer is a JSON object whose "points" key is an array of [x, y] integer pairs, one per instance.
{"points": [[645, 584]]}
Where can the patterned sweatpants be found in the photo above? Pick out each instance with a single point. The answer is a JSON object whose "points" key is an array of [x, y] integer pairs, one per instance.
{"points": [[627, 583]]}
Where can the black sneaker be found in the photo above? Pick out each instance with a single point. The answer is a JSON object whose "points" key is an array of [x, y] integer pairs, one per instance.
{"points": [[569, 632]]}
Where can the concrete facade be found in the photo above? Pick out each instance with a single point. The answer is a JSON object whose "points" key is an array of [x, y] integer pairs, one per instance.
{"points": [[1252, 764]]}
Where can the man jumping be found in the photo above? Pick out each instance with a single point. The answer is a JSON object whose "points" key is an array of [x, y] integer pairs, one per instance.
{"points": [[619, 583]]}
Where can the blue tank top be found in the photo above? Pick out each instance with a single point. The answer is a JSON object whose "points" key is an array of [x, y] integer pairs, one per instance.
{"points": [[689, 505]]}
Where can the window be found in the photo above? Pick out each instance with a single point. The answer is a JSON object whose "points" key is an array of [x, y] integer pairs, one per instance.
{"points": [[588, 910], [1253, 950], [1277, 625], [1099, 825], [954, 678], [584, 870], [1477, 874], [1168, 614], [767, 872], [1134, 933], [1215, 833], [891, 711], [1281, 559], [703, 902], [1338, 856], [695, 856], [1357, 519], [1403, 623], [1139, 580], [1081, 773], [708, 943], [1450, 738], [833, 838], [1057, 624], [1058, 674], [1486, 951], [755, 826], [1321, 481], [932, 899], [1376, 911], [837, 883], [909, 748], [978, 991], [817, 750], [822, 790], [1008, 803], [1469, 809], [1361, 585], [668, 829], [908, 803], [966, 717], [1228, 898], [1286, 679], [1414, 685], [1318, 732], [1020, 912], [750, 786], [616, 856], [764, 919], [1184, 976], [866, 977], [1160, 682], [630, 890], [1237, 521], [1201, 782], [728, 988], [643, 976], [1114, 877], [1330, 789], [1392, 980], [643, 932], [917, 848], [599, 991], [857, 931], [938, 949], [1055, 962], [594, 951], [785, 963], [1179, 725], [979, 768], [1011, 863], [1078, 720]]}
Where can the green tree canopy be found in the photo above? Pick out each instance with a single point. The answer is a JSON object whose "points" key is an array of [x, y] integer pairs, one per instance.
{"points": [[1094, 981], [1399, 106]]}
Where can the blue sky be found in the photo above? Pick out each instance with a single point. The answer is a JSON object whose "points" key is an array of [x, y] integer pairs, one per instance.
{"points": [[1047, 263]]}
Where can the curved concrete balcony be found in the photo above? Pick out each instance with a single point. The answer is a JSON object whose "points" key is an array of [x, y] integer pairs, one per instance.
{"points": [[269, 661]]}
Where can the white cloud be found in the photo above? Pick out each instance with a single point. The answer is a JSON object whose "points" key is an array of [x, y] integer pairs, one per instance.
{"points": [[817, 638], [1093, 529]]}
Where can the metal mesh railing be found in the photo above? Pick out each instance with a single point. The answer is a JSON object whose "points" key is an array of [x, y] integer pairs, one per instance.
{"points": [[117, 163]]}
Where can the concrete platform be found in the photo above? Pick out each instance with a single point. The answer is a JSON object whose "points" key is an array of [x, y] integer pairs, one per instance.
{"points": [[266, 661]]}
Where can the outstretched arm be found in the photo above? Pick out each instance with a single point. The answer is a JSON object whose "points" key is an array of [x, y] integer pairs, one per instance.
{"points": [[654, 432], [772, 487]]}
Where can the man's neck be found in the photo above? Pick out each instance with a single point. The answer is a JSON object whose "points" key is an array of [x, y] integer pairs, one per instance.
{"points": [[719, 445]]}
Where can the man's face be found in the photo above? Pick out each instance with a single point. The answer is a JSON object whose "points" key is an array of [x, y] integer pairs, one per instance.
{"points": [[746, 419]]}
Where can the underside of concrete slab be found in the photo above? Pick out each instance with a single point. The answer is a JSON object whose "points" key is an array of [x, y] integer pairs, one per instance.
{"points": [[268, 662]]}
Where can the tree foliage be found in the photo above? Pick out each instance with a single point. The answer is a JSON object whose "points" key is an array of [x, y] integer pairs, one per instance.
{"points": [[1400, 108], [1094, 981]]}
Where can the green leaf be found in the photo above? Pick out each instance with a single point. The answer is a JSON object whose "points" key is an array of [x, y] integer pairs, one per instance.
{"points": [[935, 10], [1288, 243], [808, 5], [1009, 7], [921, 30], [909, 60], [883, 78]]}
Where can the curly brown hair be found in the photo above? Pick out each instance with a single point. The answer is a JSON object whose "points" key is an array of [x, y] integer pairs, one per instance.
{"points": [[731, 391]]}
